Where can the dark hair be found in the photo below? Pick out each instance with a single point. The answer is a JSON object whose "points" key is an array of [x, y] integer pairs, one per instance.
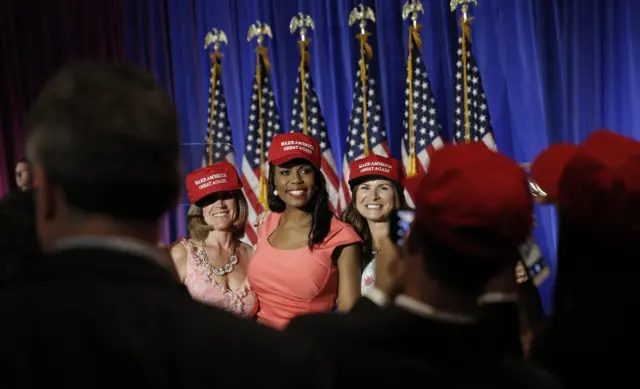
{"points": [[359, 223], [23, 160], [318, 206], [107, 136], [18, 240], [453, 268], [198, 228]]}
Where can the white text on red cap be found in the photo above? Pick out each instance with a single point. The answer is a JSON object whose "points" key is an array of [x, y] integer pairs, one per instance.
{"points": [[214, 179], [374, 166], [290, 145]]}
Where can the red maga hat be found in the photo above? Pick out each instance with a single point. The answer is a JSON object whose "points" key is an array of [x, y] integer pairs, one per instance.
{"points": [[375, 166], [219, 177], [294, 145], [469, 185], [599, 191], [548, 166]]}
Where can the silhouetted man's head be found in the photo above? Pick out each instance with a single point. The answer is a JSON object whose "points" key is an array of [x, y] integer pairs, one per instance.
{"points": [[104, 145]]}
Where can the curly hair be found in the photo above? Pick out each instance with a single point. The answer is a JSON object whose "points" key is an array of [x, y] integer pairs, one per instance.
{"points": [[318, 206], [18, 239], [359, 223]]}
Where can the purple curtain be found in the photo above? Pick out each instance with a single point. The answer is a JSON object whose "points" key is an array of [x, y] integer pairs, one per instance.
{"points": [[147, 43], [36, 39]]}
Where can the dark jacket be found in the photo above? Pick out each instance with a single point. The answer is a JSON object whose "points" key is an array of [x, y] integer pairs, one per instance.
{"points": [[392, 347], [95, 318]]}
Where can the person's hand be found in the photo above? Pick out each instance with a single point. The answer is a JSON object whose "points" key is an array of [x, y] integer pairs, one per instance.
{"points": [[261, 218], [389, 272]]}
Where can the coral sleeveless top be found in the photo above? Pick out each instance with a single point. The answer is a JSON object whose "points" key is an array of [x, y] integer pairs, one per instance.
{"points": [[290, 283], [241, 301]]}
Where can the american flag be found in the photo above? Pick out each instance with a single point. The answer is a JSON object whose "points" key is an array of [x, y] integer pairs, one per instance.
{"points": [[251, 159], [479, 120], [425, 122], [218, 127], [376, 133], [317, 128]]}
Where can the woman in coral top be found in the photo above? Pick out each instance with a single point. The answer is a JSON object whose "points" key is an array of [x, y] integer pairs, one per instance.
{"points": [[306, 259]]}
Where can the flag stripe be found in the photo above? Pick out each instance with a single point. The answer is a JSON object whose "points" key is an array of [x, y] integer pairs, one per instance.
{"points": [[479, 119], [427, 130], [253, 155], [317, 128], [376, 134], [218, 122]]}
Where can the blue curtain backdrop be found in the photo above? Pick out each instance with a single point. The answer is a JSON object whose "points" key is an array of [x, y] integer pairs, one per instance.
{"points": [[552, 70]]}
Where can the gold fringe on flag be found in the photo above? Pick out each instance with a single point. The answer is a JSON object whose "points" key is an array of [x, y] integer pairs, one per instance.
{"points": [[215, 71], [365, 54], [466, 36], [262, 56], [414, 39], [361, 14], [304, 61], [215, 38]]}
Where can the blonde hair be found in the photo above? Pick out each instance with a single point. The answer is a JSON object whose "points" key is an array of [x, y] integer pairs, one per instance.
{"points": [[198, 228]]}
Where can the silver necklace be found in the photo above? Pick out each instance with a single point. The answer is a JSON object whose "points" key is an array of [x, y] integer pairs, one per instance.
{"points": [[202, 256]]}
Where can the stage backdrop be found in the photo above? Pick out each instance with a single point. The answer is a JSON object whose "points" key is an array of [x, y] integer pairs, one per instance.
{"points": [[552, 70], [36, 39]]}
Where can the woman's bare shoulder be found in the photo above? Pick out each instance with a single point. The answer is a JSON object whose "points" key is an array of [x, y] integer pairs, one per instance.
{"points": [[177, 249]]}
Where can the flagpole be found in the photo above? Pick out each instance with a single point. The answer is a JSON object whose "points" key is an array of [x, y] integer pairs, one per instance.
{"points": [[361, 14], [215, 38], [259, 30], [303, 22], [464, 33], [411, 8]]}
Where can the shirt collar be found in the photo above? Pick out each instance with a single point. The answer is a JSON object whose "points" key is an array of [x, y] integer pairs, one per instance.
{"points": [[425, 310], [119, 244]]}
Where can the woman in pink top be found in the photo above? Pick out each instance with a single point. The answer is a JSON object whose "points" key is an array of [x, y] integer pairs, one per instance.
{"points": [[213, 262], [306, 259]]}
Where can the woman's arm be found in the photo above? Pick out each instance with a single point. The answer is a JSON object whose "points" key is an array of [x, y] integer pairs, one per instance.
{"points": [[349, 272], [179, 256]]}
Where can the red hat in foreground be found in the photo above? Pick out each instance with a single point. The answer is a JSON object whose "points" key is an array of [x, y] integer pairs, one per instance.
{"points": [[375, 166], [219, 177], [599, 191], [548, 166], [469, 185], [294, 145]]}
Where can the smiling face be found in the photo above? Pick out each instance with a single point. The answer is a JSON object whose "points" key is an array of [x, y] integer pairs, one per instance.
{"points": [[375, 199], [219, 210], [295, 182]]}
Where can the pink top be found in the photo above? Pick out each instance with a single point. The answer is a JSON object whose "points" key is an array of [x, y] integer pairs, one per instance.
{"points": [[242, 301], [290, 283]]}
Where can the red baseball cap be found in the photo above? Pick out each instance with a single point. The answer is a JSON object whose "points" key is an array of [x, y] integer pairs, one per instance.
{"points": [[375, 166], [599, 191], [219, 177], [470, 185], [294, 145], [548, 166]]}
